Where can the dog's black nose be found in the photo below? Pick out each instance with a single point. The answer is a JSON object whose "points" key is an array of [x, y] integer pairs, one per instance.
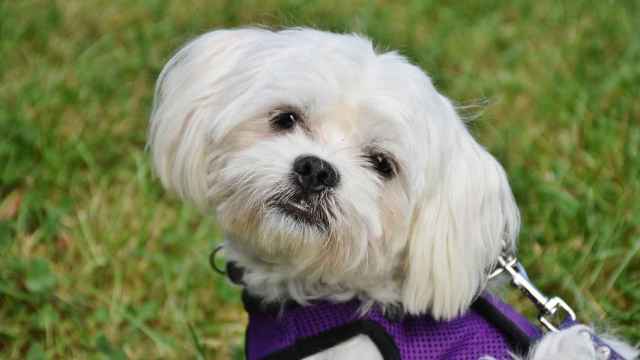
{"points": [[314, 174]]}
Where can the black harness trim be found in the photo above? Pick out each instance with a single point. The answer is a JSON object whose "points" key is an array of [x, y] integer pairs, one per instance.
{"points": [[518, 340], [308, 346]]}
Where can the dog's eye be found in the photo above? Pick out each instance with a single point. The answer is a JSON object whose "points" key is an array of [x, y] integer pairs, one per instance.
{"points": [[284, 120], [382, 164]]}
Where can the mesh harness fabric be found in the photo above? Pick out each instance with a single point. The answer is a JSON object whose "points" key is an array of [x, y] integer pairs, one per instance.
{"points": [[291, 331], [300, 331]]}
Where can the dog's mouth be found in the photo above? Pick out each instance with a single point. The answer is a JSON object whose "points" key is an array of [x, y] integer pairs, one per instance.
{"points": [[307, 210]]}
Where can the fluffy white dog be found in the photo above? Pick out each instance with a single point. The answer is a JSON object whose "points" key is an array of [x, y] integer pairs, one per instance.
{"points": [[337, 172]]}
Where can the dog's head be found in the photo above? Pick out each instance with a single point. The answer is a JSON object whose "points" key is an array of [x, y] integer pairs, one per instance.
{"points": [[333, 163]]}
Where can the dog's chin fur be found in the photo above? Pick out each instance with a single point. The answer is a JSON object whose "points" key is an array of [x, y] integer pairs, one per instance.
{"points": [[422, 239]]}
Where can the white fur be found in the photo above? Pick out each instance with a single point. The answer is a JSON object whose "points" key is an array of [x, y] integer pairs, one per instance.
{"points": [[575, 344], [423, 239]]}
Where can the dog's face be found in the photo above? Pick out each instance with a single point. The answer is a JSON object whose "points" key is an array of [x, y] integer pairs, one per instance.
{"points": [[333, 166]]}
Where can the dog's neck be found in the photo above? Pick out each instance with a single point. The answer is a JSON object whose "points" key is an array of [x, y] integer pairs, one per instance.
{"points": [[278, 283]]}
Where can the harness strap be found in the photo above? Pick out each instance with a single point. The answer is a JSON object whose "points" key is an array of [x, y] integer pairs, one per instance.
{"points": [[518, 338], [325, 340]]}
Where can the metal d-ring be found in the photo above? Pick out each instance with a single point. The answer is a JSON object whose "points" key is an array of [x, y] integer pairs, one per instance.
{"points": [[212, 260]]}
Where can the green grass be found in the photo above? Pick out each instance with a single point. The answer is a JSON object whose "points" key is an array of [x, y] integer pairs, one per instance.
{"points": [[96, 261]]}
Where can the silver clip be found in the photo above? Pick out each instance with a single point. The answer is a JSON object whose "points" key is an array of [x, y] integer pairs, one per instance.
{"points": [[546, 306]]}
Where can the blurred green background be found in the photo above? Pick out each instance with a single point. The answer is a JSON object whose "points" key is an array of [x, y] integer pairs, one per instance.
{"points": [[96, 261]]}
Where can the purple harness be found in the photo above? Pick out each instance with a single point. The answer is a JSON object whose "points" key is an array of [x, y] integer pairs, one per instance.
{"points": [[489, 328]]}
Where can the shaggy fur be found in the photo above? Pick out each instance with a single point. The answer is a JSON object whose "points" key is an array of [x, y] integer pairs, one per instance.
{"points": [[422, 237]]}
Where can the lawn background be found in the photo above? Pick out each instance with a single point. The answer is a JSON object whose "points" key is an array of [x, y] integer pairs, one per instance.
{"points": [[96, 261]]}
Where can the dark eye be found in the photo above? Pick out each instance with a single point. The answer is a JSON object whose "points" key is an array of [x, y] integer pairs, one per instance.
{"points": [[284, 120], [382, 164]]}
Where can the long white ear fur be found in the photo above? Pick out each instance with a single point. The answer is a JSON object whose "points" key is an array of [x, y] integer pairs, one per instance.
{"points": [[194, 88], [461, 222]]}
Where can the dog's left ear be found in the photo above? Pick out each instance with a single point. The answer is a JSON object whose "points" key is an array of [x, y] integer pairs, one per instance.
{"points": [[463, 218]]}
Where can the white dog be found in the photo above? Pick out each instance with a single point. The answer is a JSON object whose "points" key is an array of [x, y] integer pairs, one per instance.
{"points": [[337, 172]]}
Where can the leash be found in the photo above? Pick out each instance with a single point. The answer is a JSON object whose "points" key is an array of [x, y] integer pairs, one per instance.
{"points": [[549, 307]]}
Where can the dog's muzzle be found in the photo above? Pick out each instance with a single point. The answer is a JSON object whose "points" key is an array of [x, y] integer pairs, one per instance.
{"points": [[309, 199]]}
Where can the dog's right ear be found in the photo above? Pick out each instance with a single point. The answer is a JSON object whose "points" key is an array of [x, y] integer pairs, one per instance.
{"points": [[464, 218], [193, 102]]}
